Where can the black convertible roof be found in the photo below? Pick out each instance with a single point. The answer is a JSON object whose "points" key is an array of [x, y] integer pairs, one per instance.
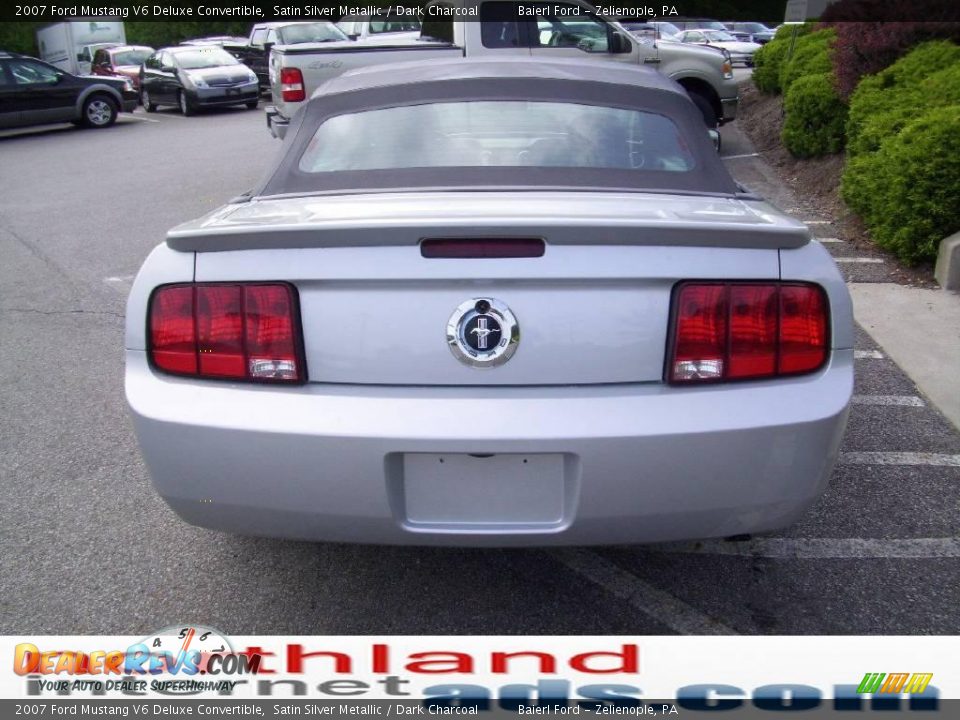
{"points": [[586, 82]]}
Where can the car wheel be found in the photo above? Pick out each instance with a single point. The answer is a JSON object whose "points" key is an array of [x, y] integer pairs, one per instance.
{"points": [[706, 109], [99, 111], [145, 101], [253, 105], [186, 107]]}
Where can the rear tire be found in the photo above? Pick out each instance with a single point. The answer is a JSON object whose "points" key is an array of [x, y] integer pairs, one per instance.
{"points": [[186, 107], [145, 101], [99, 111]]}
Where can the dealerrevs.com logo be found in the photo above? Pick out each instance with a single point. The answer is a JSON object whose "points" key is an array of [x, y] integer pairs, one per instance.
{"points": [[184, 651], [894, 683]]}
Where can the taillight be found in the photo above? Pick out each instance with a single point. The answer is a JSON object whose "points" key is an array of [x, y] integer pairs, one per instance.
{"points": [[291, 85], [737, 331], [236, 331]]}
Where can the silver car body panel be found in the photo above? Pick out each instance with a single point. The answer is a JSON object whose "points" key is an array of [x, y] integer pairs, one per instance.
{"points": [[573, 439]]}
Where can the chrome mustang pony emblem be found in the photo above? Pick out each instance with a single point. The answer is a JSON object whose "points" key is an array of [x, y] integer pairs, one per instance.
{"points": [[483, 333]]}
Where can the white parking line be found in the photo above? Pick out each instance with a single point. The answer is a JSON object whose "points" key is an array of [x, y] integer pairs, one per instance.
{"points": [[857, 260], [867, 355], [817, 222], [901, 400], [899, 458], [652, 602], [737, 157], [141, 119], [828, 240], [837, 548]]}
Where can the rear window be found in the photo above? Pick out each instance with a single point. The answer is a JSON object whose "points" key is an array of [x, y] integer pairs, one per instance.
{"points": [[310, 33], [497, 133]]}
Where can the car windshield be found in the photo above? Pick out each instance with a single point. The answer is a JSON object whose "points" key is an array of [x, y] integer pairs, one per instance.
{"points": [[717, 36], [668, 28], [497, 133], [204, 57], [131, 57], [752, 27], [310, 33]]}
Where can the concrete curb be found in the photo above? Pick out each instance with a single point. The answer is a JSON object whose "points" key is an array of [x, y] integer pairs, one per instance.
{"points": [[947, 272]]}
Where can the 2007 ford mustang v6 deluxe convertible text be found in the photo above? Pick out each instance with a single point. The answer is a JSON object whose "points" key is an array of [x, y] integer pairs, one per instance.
{"points": [[492, 303]]}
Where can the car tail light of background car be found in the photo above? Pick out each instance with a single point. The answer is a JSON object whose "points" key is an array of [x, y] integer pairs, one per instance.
{"points": [[738, 331], [291, 85], [240, 331]]}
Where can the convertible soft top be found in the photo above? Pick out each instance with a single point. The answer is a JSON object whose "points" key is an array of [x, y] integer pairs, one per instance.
{"points": [[585, 82]]}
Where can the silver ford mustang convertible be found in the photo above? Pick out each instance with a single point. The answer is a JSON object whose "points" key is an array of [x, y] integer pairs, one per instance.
{"points": [[492, 303]]}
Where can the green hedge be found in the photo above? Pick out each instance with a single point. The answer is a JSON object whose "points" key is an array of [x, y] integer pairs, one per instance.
{"points": [[769, 59], [815, 117], [884, 103], [811, 56], [906, 191]]}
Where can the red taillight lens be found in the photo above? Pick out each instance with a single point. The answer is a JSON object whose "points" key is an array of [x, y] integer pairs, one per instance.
{"points": [[735, 331], [236, 331], [291, 85]]}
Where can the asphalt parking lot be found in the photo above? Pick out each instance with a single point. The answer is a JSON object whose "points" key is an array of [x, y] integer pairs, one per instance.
{"points": [[86, 546]]}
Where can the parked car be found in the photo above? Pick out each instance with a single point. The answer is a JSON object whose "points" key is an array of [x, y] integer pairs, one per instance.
{"points": [[122, 61], [504, 301], [567, 29], [33, 92], [383, 26], [195, 77], [740, 52], [697, 23], [225, 41], [255, 50], [750, 32]]}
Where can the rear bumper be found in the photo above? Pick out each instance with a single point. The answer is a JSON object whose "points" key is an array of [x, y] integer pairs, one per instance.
{"points": [[277, 124], [641, 463]]}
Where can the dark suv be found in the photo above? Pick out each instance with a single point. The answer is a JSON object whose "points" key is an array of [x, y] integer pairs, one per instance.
{"points": [[33, 92]]}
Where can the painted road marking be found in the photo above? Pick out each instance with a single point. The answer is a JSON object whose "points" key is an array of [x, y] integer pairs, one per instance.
{"points": [[828, 240], [737, 157], [141, 119], [901, 400], [652, 602], [817, 222], [900, 458], [868, 355], [857, 260], [838, 548]]}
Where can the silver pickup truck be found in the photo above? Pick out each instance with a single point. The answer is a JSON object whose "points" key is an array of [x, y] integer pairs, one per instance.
{"points": [[472, 28]]}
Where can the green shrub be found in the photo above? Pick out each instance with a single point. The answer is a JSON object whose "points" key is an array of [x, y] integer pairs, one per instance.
{"points": [[811, 56], [815, 117], [883, 103], [906, 192], [769, 59]]}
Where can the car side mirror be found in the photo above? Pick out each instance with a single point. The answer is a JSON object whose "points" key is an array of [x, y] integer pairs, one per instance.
{"points": [[618, 44], [714, 138], [267, 46]]}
